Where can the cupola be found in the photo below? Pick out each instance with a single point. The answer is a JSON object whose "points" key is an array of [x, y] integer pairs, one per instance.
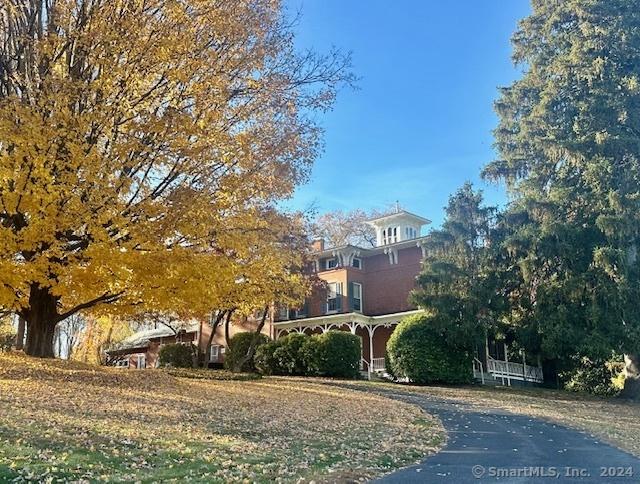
{"points": [[397, 227]]}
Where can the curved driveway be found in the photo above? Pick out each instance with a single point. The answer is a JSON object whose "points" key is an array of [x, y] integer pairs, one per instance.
{"points": [[490, 445]]}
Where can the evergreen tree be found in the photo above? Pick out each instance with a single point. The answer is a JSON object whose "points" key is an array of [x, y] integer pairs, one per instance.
{"points": [[454, 282], [569, 151]]}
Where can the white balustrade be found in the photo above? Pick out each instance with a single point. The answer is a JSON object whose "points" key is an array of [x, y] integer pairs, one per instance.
{"points": [[515, 371]]}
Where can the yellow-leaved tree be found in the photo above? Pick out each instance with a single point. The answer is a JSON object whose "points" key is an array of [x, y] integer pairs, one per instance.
{"points": [[138, 138]]}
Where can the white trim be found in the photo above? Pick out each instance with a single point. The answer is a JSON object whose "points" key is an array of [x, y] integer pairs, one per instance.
{"points": [[352, 297], [337, 293], [352, 320]]}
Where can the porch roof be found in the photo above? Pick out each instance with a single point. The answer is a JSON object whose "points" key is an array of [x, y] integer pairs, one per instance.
{"points": [[346, 318], [141, 339]]}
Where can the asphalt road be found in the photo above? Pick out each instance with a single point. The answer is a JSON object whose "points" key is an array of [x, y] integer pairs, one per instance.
{"points": [[490, 445]]}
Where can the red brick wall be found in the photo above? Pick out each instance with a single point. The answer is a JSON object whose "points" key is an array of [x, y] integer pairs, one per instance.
{"points": [[386, 287]]}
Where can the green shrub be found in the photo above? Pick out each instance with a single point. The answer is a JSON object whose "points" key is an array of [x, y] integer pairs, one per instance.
{"points": [[264, 359], [288, 355], [285, 356], [334, 354], [238, 348], [176, 355], [604, 378], [418, 350]]}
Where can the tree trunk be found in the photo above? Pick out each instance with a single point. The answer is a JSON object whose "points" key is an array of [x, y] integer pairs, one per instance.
{"points": [[227, 336], [632, 377], [214, 328], [41, 317], [253, 346], [20, 334]]}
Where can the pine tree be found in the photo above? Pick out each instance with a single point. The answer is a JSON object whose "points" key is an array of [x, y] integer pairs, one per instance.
{"points": [[569, 151]]}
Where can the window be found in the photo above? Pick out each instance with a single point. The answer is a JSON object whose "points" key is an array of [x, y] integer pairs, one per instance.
{"points": [[356, 296], [214, 353], [299, 312], [331, 263], [123, 363], [334, 297], [283, 313], [357, 263], [142, 361], [392, 235]]}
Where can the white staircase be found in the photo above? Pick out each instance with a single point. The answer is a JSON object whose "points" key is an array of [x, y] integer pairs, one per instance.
{"points": [[504, 372]]}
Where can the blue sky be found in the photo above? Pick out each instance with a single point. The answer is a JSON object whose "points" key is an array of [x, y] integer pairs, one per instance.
{"points": [[420, 123]]}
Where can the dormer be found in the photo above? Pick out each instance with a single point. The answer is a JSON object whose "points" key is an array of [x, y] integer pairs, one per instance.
{"points": [[397, 227]]}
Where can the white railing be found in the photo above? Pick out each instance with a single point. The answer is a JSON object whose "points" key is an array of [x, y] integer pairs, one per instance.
{"points": [[515, 371], [478, 371], [378, 364]]}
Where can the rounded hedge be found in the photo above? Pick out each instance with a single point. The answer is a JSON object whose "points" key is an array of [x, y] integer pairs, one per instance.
{"points": [[265, 361], [289, 356], [176, 355], [334, 353], [419, 350], [238, 347]]}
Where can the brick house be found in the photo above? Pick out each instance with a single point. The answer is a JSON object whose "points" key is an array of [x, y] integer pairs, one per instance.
{"points": [[367, 293], [367, 289], [141, 349]]}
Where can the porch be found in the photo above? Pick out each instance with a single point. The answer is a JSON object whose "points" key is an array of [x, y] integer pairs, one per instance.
{"points": [[373, 330]]}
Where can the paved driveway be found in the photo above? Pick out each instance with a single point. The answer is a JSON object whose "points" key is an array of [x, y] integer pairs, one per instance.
{"points": [[489, 445]]}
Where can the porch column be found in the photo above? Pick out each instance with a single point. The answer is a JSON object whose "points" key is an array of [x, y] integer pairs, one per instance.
{"points": [[371, 331]]}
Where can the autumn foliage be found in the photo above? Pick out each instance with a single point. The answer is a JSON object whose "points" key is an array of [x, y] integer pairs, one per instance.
{"points": [[144, 145]]}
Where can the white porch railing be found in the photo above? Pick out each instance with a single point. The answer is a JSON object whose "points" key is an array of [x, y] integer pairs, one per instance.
{"points": [[377, 364], [514, 371], [478, 370]]}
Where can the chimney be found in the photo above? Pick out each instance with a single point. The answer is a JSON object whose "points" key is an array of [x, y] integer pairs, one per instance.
{"points": [[318, 245]]}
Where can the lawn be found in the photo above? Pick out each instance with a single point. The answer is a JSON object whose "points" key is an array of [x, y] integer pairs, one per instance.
{"points": [[612, 420], [63, 421]]}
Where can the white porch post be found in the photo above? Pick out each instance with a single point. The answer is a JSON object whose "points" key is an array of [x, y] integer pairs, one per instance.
{"points": [[506, 359], [371, 331]]}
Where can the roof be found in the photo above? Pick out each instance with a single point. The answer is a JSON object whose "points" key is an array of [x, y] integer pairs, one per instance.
{"points": [[368, 251], [337, 320], [141, 339], [401, 213]]}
